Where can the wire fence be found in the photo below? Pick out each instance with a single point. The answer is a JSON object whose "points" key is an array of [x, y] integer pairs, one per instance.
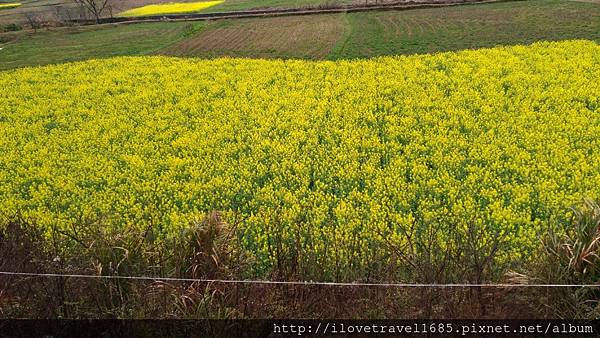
{"points": [[341, 284]]}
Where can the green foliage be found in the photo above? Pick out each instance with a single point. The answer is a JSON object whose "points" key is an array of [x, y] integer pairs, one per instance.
{"points": [[12, 27], [466, 27], [80, 43]]}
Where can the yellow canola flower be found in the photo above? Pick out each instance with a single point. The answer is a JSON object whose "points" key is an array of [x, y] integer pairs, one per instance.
{"points": [[169, 8], [338, 164], [9, 5]]}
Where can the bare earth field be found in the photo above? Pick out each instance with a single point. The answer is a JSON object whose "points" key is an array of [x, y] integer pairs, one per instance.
{"points": [[307, 37]]}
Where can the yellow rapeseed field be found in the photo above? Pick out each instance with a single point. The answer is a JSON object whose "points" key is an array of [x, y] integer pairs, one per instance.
{"points": [[9, 5], [170, 8], [333, 162]]}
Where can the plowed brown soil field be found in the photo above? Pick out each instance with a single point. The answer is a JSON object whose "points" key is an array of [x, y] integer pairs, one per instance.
{"points": [[290, 37]]}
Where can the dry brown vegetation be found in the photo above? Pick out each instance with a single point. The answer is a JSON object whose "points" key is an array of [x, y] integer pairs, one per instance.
{"points": [[208, 248]]}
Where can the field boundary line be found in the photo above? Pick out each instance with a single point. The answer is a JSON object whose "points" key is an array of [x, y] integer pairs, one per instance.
{"points": [[246, 281]]}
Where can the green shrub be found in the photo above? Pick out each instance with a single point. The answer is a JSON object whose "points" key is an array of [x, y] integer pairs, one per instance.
{"points": [[13, 27]]}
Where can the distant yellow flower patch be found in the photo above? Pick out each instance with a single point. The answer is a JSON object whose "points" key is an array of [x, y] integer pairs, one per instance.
{"points": [[10, 5], [170, 8]]}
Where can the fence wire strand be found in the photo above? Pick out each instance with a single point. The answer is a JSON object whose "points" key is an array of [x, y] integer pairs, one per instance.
{"points": [[309, 283]]}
